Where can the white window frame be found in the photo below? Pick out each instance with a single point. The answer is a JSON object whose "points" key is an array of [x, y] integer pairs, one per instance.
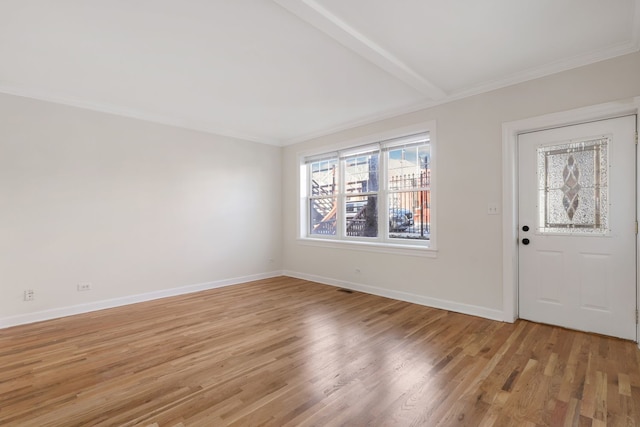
{"points": [[385, 141]]}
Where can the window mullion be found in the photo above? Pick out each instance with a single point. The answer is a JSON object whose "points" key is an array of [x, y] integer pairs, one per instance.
{"points": [[341, 200], [308, 227], [383, 202]]}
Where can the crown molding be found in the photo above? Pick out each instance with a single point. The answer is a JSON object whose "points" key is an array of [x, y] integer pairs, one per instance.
{"points": [[43, 95], [555, 67], [522, 77], [370, 119], [631, 46]]}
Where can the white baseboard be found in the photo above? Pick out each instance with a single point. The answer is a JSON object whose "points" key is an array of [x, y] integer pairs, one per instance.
{"points": [[473, 310], [55, 313]]}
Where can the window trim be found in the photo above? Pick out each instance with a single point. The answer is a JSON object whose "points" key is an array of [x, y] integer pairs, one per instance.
{"points": [[384, 141]]}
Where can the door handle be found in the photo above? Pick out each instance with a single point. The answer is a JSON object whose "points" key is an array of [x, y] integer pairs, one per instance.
{"points": [[525, 241]]}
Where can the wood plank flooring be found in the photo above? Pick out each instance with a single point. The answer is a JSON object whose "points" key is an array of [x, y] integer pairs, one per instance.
{"points": [[287, 352]]}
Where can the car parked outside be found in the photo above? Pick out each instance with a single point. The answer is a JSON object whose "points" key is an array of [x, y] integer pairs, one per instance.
{"points": [[399, 218]]}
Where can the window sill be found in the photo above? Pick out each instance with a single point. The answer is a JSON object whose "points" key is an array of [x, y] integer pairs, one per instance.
{"points": [[386, 248]]}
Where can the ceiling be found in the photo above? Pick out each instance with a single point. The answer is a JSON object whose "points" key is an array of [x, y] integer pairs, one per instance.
{"points": [[282, 71]]}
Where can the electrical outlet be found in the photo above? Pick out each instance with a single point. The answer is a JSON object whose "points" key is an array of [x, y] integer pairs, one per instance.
{"points": [[29, 295], [84, 286]]}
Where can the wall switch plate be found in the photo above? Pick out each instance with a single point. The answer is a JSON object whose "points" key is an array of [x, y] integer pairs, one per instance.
{"points": [[492, 209]]}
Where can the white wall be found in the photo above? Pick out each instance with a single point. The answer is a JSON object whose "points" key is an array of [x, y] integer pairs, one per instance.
{"points": [[130, 206], [467, 273], [138, 208]]}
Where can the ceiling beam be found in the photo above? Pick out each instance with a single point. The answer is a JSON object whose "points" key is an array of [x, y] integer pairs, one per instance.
{"points": [[315, 14]]}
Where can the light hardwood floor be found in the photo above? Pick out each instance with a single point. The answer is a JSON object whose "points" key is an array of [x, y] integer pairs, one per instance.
{"points": [[285, 351]]}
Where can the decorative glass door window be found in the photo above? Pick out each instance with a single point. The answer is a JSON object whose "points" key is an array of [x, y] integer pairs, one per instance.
{"points": [[573, 187]]}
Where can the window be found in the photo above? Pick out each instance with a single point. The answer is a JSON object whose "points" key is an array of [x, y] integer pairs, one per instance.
{"points": [[378, 194], [573, 187]]}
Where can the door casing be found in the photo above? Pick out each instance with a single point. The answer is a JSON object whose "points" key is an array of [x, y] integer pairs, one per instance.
{"points": [[510, 131]]}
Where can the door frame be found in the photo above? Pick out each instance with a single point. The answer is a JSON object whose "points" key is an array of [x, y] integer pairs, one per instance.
{"points": [[510, 132]]}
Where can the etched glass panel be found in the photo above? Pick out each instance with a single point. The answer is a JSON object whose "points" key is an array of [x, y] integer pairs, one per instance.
{"points": [[573, 187]]}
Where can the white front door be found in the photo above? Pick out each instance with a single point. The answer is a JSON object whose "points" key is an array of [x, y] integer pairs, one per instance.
{"points": [[577, 227]]}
